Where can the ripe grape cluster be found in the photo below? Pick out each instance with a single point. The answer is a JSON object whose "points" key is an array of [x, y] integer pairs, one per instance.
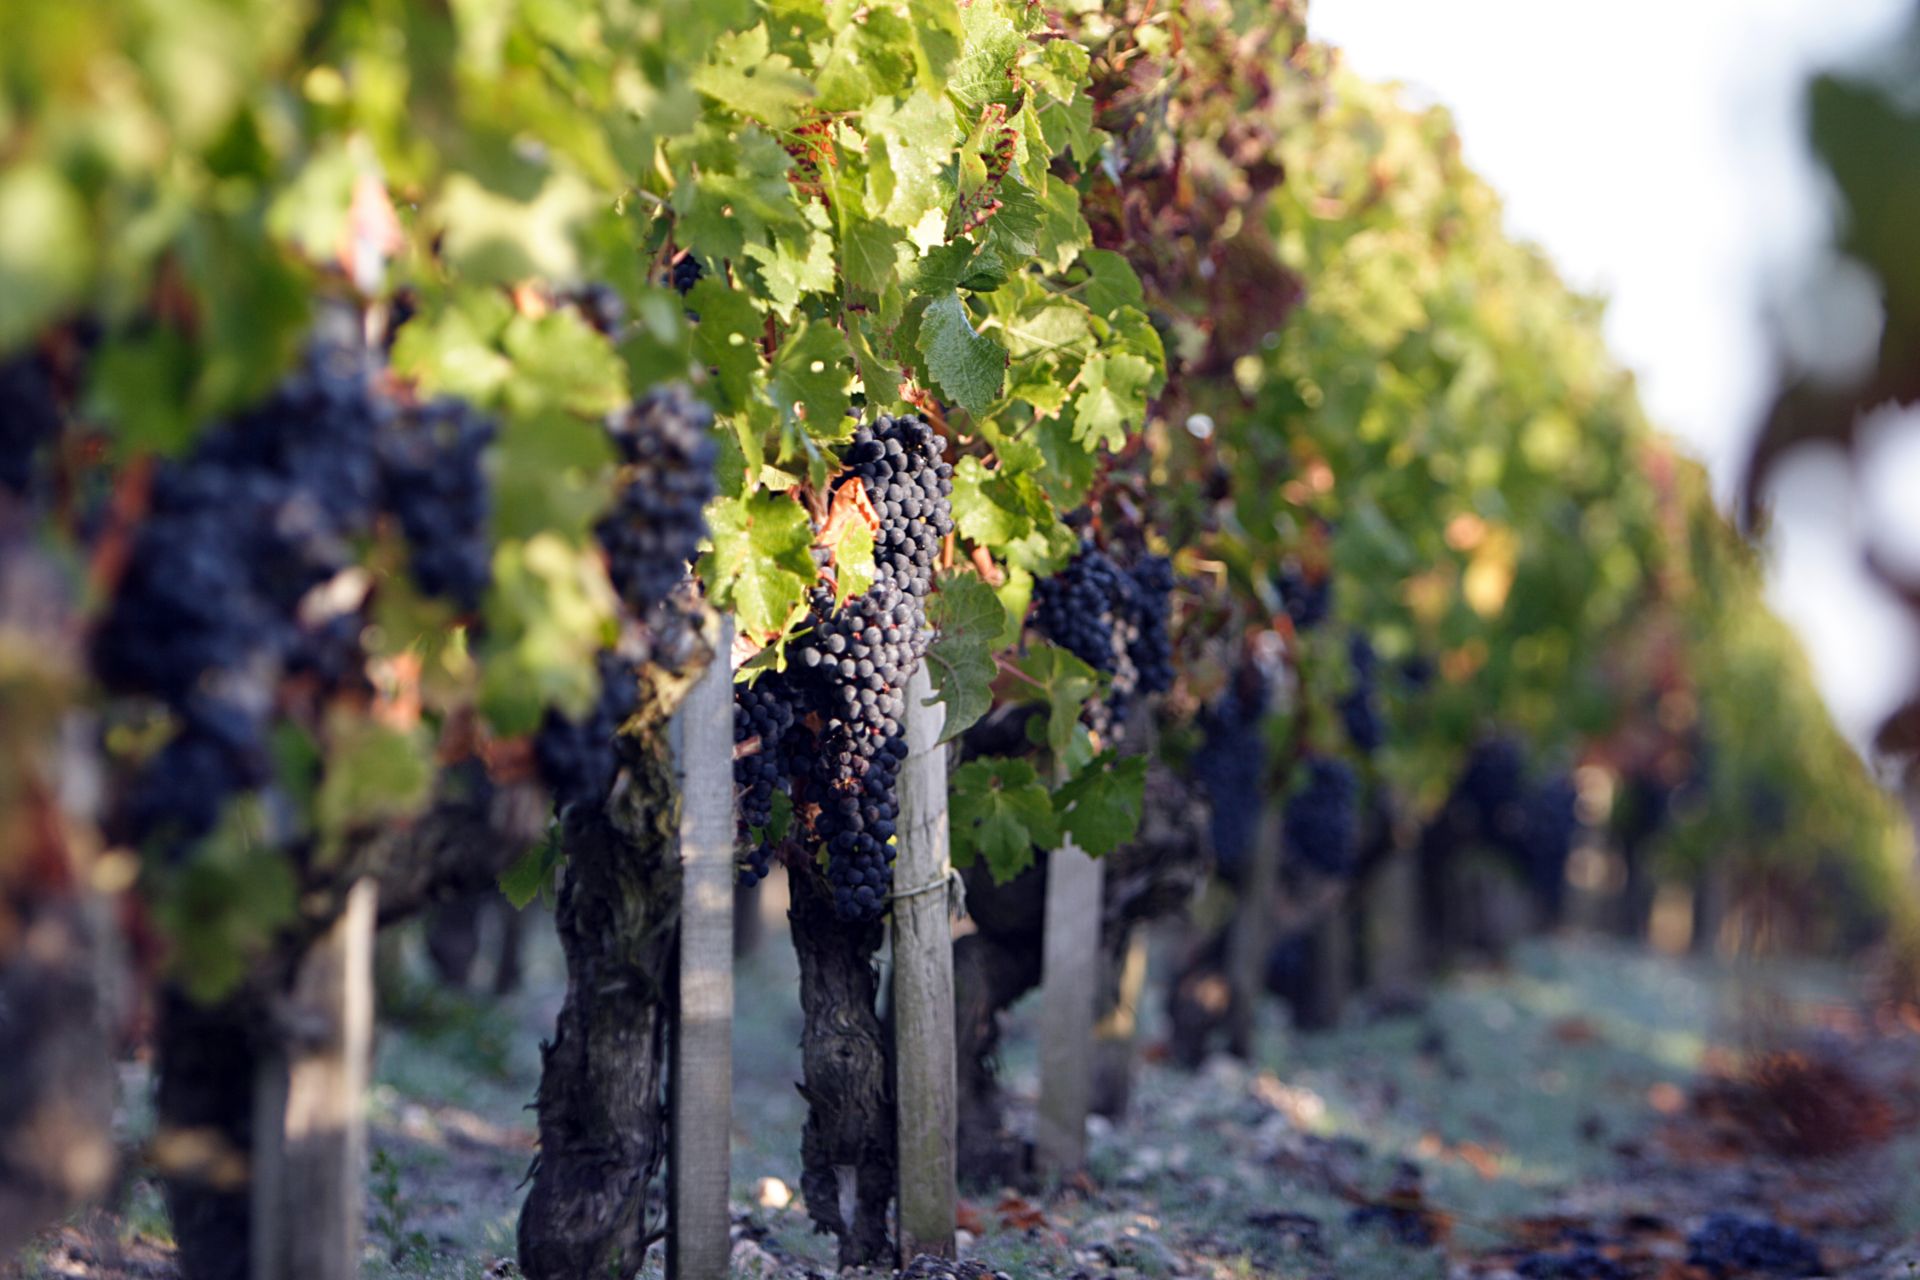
{"points": [[763, 714], [222, 592], [1321, 820], [434, 478], [29, 419], [1732, 1244], [1114, 620], [1487, 800], [1549, 825], [578, 759], [1307, 599], [686, 273], [667, 452], [839, 735], [1360, 705], [1231, 764]]}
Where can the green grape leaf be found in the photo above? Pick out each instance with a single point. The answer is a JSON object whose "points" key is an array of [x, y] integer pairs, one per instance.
{"points": [[909, 189], [375, 774], [1064, 683], [1100, 805], [1111, 282], [549, 613], [810, 374], [561, 361], [999, 812], [789, 270], [853, 568], [987, 506], [969, 619], [967, 367], [867, 255], [492, 238], [743, 76], [728, 338], [939, 35], [531, 875], [46, 250], [760, 564], [1113, 394], [455, 349]]}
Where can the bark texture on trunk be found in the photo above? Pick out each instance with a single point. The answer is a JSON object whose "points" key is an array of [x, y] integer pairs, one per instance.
{"points": [[206, 1059], [847, 1148], [602, 1099]]}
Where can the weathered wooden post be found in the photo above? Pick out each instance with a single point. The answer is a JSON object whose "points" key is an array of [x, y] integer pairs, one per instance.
{"points": [[925, 1083], [1253, 933], [1070, 983], [699, 1155], [310, 1127]]}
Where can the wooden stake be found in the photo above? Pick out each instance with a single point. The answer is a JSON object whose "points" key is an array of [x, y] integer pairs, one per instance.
{"points": [[1252, 938], [699, 1159], [926, 1087], [1070, 983], [310, 1128]]}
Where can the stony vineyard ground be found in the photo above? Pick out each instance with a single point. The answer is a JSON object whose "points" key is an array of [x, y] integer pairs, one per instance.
{"points": [[1579, 1113]]}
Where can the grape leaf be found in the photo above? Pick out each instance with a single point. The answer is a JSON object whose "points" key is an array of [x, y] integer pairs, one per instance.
{"points": [[560, 360], [999, 811], [938, 37], [760, 563], [1113, 393], [1064, 683], [744, 76], [966, 367], [1100, 805], [852, 563], [810, 379], [970, 619], [728, 337]]}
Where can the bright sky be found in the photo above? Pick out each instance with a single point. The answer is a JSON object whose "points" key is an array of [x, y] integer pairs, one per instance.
{"points": [[1653, 148]]}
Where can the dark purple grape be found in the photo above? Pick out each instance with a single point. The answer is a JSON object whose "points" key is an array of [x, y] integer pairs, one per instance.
{"points": [[1321, 819], [658, 519]]}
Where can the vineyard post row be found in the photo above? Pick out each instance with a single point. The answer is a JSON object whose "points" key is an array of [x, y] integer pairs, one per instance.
{"points": [[310, 1130], [926, 1072], [1069, 983], [702, 1078]]}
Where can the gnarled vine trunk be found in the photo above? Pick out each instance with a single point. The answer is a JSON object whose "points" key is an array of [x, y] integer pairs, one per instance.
{"points": [[847, 1150], [603, 1077]]}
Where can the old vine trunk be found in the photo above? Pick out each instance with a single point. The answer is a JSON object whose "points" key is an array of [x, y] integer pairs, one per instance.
{"points": [[847, 1149]]}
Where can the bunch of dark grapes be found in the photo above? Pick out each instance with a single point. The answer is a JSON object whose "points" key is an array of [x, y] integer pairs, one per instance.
{"points": [[1231, 764], [1152, 645], [846, 690], [600, 305], [1322, 823], [1729, 1244], [686, 273], [578, 759], [763, 715], [1360, 705], [1487, 799], [434, 480], [1114, 620], [1083, 609], [1307, 600], [29, 419], [1416, 671], [209, 611], [1549, 824], [667, 452]]}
